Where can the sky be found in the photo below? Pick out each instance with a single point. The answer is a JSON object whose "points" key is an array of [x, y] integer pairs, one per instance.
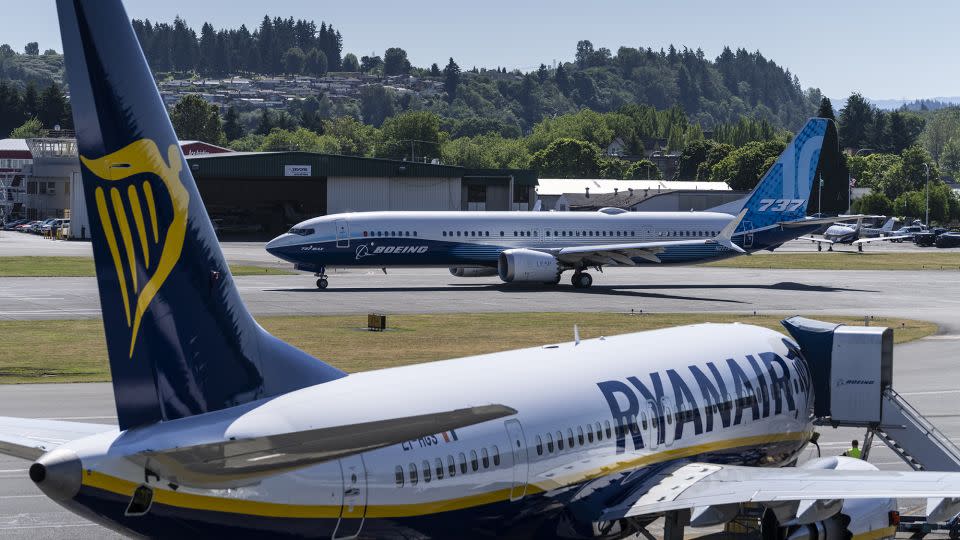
{"points": [[881, 48]]}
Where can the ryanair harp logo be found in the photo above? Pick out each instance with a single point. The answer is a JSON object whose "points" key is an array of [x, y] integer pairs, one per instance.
{"points": [[158, 250]]}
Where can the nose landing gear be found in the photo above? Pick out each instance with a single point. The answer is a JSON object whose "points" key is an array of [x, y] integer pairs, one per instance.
{"points": [[322, 281]]}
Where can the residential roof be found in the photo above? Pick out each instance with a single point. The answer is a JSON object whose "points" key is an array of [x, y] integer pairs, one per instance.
{"points": [[557, 186], [15, 149]]}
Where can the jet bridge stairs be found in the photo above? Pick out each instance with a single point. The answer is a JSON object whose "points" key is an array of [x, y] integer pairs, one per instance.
{"points": [[851, 369]]}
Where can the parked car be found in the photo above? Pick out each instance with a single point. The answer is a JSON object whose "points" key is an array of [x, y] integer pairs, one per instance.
{"points": [[907, 231], [28, 226], [38, 228], [51, 226], [948, 240], [12, 225], [925, 238]]}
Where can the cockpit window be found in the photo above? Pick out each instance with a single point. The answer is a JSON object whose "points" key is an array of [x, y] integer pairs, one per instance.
{"points": [[301, 232]]}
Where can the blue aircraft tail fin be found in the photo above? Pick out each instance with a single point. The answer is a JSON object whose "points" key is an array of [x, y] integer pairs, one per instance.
{"points": [[784, 191], [179, 339]]}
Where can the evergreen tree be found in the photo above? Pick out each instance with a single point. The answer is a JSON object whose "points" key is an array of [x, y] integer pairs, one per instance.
{"points": [[826, 109], [231, 125], [195, 119], [11, 108], [451, 79], [265, 124], [395, 62], [562, 80], [208, 45], [32, 49], [435, 70], [542, 73], [30, 104], [54, 109], [293, 61]]}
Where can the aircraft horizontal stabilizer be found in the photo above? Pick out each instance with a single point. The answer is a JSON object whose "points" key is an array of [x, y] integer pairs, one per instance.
{"points": [[881, 239], [232, 463], [30, 438], [702, 485], [725, 237], [816, 239]]}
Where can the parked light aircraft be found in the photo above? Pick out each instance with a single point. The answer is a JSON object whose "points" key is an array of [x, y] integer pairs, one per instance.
{"points": [[540, 246], [856, 234], [225, 431]]}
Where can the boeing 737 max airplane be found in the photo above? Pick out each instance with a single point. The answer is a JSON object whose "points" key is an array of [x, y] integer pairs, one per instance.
{"points": [[227, 432], [540, 246]]}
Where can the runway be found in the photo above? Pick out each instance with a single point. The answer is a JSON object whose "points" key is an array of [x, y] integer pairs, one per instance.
{"points": [[926, 371]]}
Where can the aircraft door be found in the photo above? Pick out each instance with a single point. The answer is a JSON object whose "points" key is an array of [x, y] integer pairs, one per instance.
{"points": [[343, 233], [354, 505], [747, 235], [668, 421], [518, 448]]}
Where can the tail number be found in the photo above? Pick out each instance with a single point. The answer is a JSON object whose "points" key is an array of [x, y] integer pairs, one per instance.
{"points": [[780, 205]]}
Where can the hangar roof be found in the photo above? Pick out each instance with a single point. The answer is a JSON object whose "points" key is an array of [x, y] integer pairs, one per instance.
{"points": [[274, 165]]}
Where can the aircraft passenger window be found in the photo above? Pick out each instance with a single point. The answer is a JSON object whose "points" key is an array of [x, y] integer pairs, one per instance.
{"points": [[496, 456], [458, 233], [485, 457], [473, 233], [589, 433], [607, 426], [539, 446], [584, 233], [399, 475], [570, 440], [413, 474], [474, 464], [463, 463], [438, 468], [599, 432], [466, 233], [364, 234], [426, 471], [633, 233], [487, 233], [559, 441], [451, 466], [501, 233], [514, 233], [643, 420], [414, 233], [548, 233], [580, 435], [444, 233], [549, 443]]}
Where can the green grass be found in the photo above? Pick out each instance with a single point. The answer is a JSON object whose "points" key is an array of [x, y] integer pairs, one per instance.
{"points": [[74, 350], [847, 260], [83, 267]]}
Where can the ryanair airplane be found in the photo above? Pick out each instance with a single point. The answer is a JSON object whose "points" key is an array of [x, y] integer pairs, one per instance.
{"points": [[226, 431], [537, 247]]}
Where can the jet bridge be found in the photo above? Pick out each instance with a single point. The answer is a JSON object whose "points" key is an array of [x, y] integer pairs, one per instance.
{"points": [[851, 368]]}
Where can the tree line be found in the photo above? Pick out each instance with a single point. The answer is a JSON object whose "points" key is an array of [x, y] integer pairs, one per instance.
{"points": [[25, 113], [278, 46]]}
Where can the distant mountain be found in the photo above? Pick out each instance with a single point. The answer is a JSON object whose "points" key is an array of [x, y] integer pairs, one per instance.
{"points": [[931, 104]]}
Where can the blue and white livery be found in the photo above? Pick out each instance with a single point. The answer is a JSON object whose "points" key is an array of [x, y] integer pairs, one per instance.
{"points": [[539, 247]]}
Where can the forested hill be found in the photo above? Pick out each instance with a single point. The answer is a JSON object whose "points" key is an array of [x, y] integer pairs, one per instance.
{"points": [[711, 91]]}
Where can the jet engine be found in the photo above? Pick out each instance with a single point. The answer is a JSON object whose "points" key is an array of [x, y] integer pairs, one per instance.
{"points": [[527, 265], [831, 519], [460, 271]]}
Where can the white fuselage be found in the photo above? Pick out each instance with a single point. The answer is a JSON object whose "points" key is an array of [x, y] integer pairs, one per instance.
{"points": [[729, 393]]}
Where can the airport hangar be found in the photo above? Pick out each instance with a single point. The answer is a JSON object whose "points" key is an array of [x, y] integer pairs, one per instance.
{"points": [[260, 194]]}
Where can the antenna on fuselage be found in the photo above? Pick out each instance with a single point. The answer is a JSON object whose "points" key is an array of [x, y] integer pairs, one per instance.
{"points": [[576, 335]]}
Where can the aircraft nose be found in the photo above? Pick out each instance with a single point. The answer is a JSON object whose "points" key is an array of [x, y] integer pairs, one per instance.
{"points": [[275, 246], [58, 474]]}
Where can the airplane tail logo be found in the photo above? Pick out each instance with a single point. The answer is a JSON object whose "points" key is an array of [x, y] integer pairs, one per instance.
{"points": [[143, 254], [784, 191]]}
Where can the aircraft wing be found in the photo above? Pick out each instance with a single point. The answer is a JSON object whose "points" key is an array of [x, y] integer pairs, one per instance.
{"points": [[706, 488], [623, 253], [882, 239], [816, 239], [237, 462], [30, 438]]}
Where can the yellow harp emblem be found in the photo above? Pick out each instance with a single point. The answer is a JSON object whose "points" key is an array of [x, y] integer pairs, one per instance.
{"points": [[162, 247]]}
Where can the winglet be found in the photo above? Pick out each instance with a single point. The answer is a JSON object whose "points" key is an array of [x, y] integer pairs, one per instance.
{"points": [[725, 236]]}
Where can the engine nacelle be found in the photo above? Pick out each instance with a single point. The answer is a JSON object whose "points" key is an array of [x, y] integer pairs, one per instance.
{"points": [[460, 271], [527, 265], [854, 517]]}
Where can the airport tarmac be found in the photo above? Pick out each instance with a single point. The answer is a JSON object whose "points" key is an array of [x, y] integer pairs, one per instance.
{"points": [[926, 371]]}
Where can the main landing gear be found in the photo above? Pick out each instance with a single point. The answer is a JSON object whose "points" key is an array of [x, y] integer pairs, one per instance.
{"points": [[322, 281], [581, 280]]}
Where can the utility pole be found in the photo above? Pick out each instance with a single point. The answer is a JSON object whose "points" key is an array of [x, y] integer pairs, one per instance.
{"points": [[926, 167]]}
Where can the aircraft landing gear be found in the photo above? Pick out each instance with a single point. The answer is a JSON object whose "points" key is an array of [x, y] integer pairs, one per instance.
{"points": [[581, 280], [860, 248], [819, 246], [830, 248], [322, 282]]}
